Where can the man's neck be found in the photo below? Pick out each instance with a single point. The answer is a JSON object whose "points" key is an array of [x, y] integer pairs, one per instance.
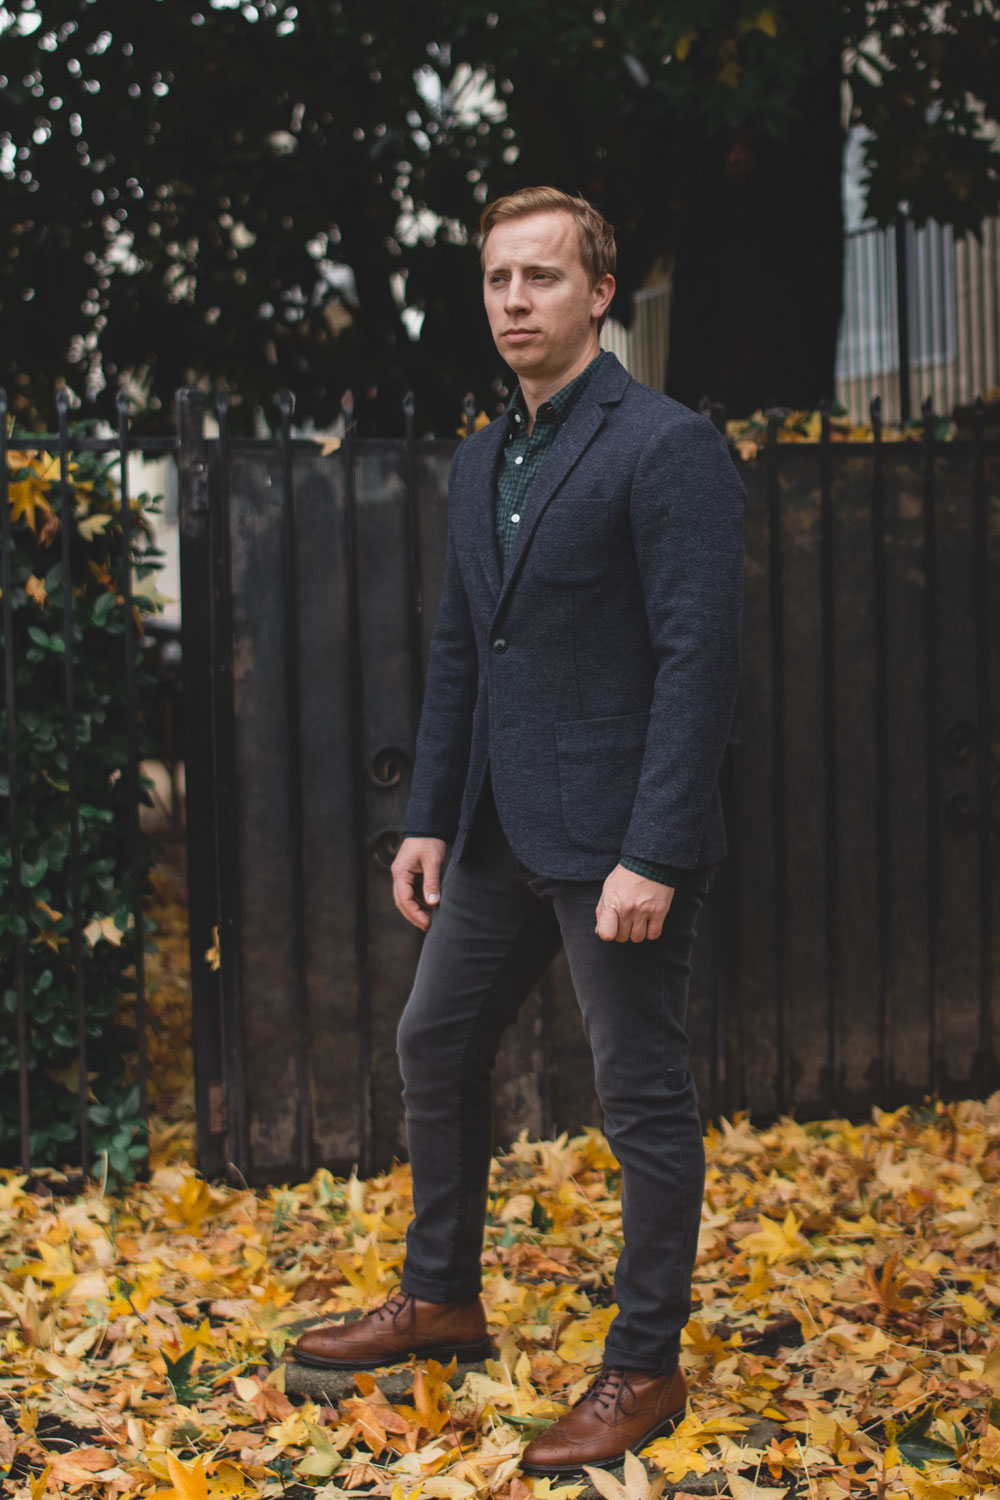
{"points": [[535, 392]]}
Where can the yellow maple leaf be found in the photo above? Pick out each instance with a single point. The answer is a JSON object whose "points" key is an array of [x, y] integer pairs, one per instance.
{"points": [[212, 955], [35, 589], [188, 1483], [778, 1242], [480, 421], [683, 45], [11, 1189], [551, 1489], [637, 1483], [27, 496], [193, 1202], [93, 526], [40, 1483], [747, 1489], [106, 928]]}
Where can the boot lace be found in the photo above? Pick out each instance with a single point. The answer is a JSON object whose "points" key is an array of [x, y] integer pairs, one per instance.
{"points": [[610, 1391], [395, 1306]]}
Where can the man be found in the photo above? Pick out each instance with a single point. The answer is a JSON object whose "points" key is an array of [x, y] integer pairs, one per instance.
{"points": [[581, 685]]}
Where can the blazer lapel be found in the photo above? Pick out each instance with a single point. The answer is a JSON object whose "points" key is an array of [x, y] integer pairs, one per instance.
{"points": [[480, 484], [584, 420]]}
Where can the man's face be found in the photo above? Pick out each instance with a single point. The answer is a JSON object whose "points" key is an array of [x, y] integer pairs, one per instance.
{"points": [[542, 308]]}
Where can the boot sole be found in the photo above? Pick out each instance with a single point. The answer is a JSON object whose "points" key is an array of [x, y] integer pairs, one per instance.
{"points": [[575, 1470], [466, 1354]]}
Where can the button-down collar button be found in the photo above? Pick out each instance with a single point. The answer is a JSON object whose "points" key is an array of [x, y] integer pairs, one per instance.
{"points": [[519, 459], [500, 645], [515, 519]]}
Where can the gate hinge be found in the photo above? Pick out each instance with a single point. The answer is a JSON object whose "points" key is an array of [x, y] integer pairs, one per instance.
{"points": [[218, 1108]]}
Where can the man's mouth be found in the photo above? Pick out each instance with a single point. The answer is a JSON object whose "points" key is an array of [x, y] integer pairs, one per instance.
{"points": [[517, 334]]}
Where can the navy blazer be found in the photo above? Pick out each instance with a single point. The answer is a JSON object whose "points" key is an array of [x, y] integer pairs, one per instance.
{"points": [[597, 680]]}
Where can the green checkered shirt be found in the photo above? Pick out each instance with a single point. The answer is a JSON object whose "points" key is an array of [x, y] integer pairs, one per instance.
{"points": [[523, 455]]}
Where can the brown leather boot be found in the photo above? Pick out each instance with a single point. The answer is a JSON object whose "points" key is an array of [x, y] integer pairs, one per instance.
{"points": [[402, 1326], [621, 1412]]}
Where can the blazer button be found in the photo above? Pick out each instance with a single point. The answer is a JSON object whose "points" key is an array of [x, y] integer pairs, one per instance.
{"points": [[500, 645]]}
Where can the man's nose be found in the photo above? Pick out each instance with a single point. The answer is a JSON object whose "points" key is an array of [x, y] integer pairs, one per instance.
{"points": [[517, 294]]}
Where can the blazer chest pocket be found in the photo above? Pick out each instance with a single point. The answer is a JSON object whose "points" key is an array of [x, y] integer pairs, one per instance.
{"points": [[570, 545]]}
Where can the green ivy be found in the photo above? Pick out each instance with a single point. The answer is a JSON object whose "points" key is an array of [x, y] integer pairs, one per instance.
{"points": [[42, 915]]}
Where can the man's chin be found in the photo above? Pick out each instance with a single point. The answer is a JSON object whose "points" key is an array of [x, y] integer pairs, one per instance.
{"points": [[523, 359]]}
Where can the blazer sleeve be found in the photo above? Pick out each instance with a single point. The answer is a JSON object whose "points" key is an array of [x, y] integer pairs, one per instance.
{"points": [[686, 509], [445, 733]]}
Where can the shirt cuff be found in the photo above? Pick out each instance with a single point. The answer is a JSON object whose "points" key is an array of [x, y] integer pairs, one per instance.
{"points": [[665, 874]]}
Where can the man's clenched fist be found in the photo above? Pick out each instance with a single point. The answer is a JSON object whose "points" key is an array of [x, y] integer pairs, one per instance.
{"points": [[416, 879], [631, 908]]}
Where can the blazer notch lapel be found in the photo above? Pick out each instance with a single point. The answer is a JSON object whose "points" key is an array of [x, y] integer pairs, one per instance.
{"points": [[480, 482], [572, 441]]}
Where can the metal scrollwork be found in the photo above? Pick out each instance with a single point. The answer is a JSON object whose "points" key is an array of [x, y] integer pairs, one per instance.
{"points": [[386, 846], [387, 766]]}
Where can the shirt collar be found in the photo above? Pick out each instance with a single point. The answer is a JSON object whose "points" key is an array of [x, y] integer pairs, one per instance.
{"points": [[558, 407]]}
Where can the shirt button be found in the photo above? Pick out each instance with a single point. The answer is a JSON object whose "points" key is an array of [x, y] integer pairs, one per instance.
{"points": [[519, 459], [500, 645], [515, 519]]}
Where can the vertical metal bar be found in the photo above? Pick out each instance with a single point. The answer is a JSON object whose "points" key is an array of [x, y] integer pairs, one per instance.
{"points": [[293, 725], [829, 712], [883, 845], [993, 233], [981, 588], [359, 780], [226, 790], [17, 894], [73, 773], [932, 795], [902, 319], [778, 757], [415, 599], [725, 919], [136, 868], [199, 779]]}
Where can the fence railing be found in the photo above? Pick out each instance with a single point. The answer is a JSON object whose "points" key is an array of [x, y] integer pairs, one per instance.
{"points": [[921, 317], [66, 447], [849, 947]]}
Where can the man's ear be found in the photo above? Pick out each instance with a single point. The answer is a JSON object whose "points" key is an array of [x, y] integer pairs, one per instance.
{"points": [[604, 291]]}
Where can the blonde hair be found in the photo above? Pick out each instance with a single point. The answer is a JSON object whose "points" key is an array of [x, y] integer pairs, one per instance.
{"points": [[595, 234]]}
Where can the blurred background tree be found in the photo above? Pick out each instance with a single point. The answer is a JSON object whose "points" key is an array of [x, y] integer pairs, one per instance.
{"points": [[283, 194]]}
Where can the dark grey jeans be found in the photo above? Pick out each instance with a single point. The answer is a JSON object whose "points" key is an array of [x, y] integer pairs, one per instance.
{"points": [[497, 929]]}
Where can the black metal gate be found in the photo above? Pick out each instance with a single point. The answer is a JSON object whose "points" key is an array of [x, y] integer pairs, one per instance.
{"points": [[848, 951]]}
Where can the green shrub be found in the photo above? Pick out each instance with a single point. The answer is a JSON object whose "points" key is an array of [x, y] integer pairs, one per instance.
{"points": [[45, 919]]}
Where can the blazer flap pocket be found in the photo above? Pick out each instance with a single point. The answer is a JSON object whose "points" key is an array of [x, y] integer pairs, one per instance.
{"points": [[570, 544], [599, 765], [594, 736]]}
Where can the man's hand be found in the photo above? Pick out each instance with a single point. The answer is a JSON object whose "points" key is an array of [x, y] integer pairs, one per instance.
{"points": [[631, 908], [418, 860]]}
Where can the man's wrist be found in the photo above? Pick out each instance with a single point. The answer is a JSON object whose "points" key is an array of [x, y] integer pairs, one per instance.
{"points": [[649, 869]]}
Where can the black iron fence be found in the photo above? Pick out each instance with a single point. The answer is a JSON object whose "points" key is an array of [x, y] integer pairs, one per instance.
{"points": [[71, 799], [848, 953]]}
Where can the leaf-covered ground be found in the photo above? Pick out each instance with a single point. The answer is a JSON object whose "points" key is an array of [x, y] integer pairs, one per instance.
{"points": [[843, 1340]]}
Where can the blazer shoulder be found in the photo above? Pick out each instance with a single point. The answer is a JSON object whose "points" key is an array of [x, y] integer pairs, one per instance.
{"points": [[664, 412]]}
